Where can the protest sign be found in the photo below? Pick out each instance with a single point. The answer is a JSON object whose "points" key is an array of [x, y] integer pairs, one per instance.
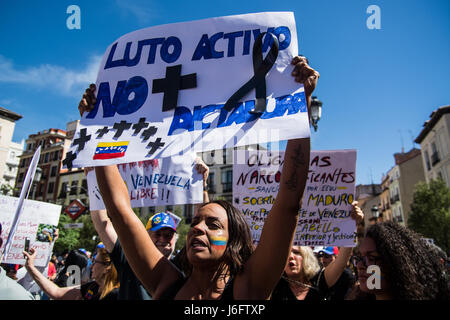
{"points": [[200, 85], [157, 182], [29, 177], [37, 222], [326, 204]]}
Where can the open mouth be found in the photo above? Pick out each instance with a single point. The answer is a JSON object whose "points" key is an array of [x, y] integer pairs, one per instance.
{"points": [[198, 244]]}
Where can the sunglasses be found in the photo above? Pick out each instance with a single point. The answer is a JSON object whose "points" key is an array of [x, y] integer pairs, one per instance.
{"points": [[366, 260], [101, 262]]}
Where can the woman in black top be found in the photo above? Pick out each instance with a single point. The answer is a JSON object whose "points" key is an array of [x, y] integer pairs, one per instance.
{"points": [[304, 279], [219, 256]]}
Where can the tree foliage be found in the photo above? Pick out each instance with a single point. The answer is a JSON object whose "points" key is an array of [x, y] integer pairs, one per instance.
{"points": [[76, 238], [430, 212]]}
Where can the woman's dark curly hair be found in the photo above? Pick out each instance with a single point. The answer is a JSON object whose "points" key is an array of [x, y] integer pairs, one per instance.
{"points": [[239, 247], [414, 271]]}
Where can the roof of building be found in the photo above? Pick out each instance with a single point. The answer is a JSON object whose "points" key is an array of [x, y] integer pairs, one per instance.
{"points": [[405, 156], [429, 124], [9, 114]]}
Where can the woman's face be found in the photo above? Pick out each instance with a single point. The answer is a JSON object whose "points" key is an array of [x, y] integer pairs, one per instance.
{"points": [[371, 282], [99, 268], [294, 263], [208, 237]]}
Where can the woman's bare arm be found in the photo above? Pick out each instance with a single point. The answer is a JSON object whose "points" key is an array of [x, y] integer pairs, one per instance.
{"points": [[50, 288], [334, 270], [154, 270], [264, 268]]}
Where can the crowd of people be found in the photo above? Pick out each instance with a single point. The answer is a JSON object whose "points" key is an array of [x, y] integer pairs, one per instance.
{"points": [[219, 260]]}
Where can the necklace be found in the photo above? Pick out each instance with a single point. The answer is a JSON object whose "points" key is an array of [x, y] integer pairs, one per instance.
{"points": [[297, 282]]}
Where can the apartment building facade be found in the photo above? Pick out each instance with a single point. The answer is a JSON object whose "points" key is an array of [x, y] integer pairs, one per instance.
{"points": [[9, 150], [434, 140], [54, 143]]}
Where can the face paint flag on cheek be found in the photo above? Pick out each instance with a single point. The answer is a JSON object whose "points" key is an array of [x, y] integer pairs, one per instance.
{"points": [[218, 242]]}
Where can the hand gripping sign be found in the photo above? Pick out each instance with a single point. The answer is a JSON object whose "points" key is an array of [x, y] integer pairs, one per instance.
{"points": [[198, 86]]}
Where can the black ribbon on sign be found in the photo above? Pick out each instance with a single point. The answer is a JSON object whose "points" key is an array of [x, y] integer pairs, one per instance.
{"points": [[258, 81]]}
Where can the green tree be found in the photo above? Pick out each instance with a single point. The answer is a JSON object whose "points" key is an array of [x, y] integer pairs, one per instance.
{"points": [[68, 238], [430, 212], [88, 235], [76, 238]]}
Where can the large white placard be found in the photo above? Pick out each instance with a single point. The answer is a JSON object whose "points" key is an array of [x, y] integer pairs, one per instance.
{"points": [[168, 181], [36, 223], [26, 187], [326, 205], [162, 90]]}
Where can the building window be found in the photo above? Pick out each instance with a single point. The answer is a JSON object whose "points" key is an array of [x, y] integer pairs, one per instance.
{"points": [[84, 187], [224, 156], [51, 186], [63, 192], [211, 183], [227, 181], [434, 154], [53, 171], [20, 179], [74, 187]]}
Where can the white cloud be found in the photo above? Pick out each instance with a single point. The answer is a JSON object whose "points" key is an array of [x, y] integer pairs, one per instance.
{"points": [[139, 9], [58, 79]]}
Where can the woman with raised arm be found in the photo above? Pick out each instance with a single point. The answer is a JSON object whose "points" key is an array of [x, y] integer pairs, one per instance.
{"points": [[305, 279], [104, 286], [220, 261]]}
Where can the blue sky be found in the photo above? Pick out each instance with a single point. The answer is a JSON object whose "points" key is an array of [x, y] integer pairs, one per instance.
{"points": [[378, 87]]}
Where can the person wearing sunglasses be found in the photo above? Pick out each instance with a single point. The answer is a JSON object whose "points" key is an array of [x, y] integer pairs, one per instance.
{"points": [[403, 263], [344, 284], [104, 286]]}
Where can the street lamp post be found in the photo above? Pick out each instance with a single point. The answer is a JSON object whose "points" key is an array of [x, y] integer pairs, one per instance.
{"points": [[316, 111], [375, 214]]}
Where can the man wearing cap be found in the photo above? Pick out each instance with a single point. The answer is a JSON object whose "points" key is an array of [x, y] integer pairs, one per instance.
{"points": [[163, 232], [161, 228], [343, 286]]}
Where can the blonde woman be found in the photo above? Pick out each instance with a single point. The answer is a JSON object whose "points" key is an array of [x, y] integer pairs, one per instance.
{"points": [[104, 286], [304, 279]]}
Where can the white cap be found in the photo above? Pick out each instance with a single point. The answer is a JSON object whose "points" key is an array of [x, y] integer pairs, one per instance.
{"points": [[318, 249]]}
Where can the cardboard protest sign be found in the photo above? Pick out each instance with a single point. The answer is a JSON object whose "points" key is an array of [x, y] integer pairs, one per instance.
{"points": [[37, 222], [200, 85], [325, 214], [27, 182], [168, 181]]}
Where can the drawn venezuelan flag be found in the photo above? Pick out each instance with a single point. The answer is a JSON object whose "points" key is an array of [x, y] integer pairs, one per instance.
{"points": [[219, 242], [110, 150]]}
